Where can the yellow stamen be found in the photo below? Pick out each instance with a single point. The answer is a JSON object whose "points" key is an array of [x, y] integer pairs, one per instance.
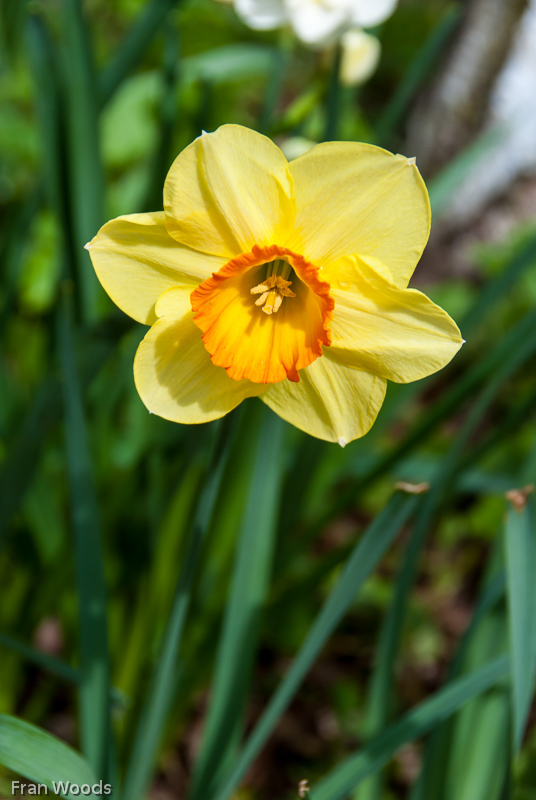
{"points": [[274, 287], [261, 287], [262, 299], [269, 306]]}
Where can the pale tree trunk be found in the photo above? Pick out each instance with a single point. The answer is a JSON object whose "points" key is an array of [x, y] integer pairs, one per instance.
{"points": [[452, 113]]}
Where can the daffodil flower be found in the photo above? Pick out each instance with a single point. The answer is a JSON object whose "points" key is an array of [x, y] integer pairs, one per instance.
{"points": [[283, 281], [316, 22]]}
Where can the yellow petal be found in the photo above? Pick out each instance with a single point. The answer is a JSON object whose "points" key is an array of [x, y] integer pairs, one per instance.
{"points": [[228, 191], [396, 333], [357, 199], [332, 401], [174, 375], [136, 260]]}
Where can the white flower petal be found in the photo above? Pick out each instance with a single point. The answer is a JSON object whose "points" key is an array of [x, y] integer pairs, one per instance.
{"points": [[367, 13], [262, 14], [318, 24], [360, 56]]}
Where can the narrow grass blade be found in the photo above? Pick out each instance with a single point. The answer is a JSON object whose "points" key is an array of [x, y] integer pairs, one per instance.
{"points": [[168, 114], [520, 553], [23, 455], [519, 340], [93, 644], [444, 186], [511, 421], [281, 63], [431, 782], [155, 592], [11, 25], [361, 563], [39, 756], [476, 757], [50, 664], [380, 695], [333, 99], [133, 47], [392, 631], [157, 705], [56, 667], [18, 224], [411, 726], [42, 58], [496, 289], [253, 560], [84, 165], [417, 74]]}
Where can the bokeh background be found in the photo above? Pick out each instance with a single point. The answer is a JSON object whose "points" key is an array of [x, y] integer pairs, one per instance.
{"points": [[98, 498]]}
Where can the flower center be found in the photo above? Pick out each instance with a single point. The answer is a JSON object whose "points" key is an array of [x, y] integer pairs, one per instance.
{"points": [[287, 337], [274, 288]]}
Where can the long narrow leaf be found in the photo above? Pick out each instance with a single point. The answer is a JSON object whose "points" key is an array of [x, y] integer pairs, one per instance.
{"points": [[84, 165], [381, 690], [55, 666], [516, 341], [133, 47], [247, 594], [443, 187], [361, 563], [39, 756], [157, 705], [417, 73], [431, 781], [476, 757], [520, 547], [93, 644], [18, 469], [413, 725], [444, 479]]}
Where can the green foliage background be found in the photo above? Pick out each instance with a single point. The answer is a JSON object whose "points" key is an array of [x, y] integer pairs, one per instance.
{"points": [[234, 607]]}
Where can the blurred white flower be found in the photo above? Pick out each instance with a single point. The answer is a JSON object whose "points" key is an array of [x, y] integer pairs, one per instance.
{"points": [[296, 146], [360, 56], [315, 22]]}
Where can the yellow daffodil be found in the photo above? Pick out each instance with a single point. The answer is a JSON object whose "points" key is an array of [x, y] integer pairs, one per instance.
{"points": [[284, 281]]}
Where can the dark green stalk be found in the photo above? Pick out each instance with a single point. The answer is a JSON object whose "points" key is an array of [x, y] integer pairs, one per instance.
{"points": [[359, 566], [132, 48], [56, 667], [94, 667], [392, 630], [168, 115], [156, 708], [333, 99], [414, 724], [262, 452], [281, 62], [84, 164], [416, 75]]}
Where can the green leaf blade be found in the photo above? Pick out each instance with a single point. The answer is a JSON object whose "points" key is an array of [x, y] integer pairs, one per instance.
{"points": [[249, 586], [361, 563], [40, 757], [520, 552], [414, 724]]}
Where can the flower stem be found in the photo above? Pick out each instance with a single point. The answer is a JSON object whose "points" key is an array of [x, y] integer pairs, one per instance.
{"points": [[333, 99], [275, 82]]}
